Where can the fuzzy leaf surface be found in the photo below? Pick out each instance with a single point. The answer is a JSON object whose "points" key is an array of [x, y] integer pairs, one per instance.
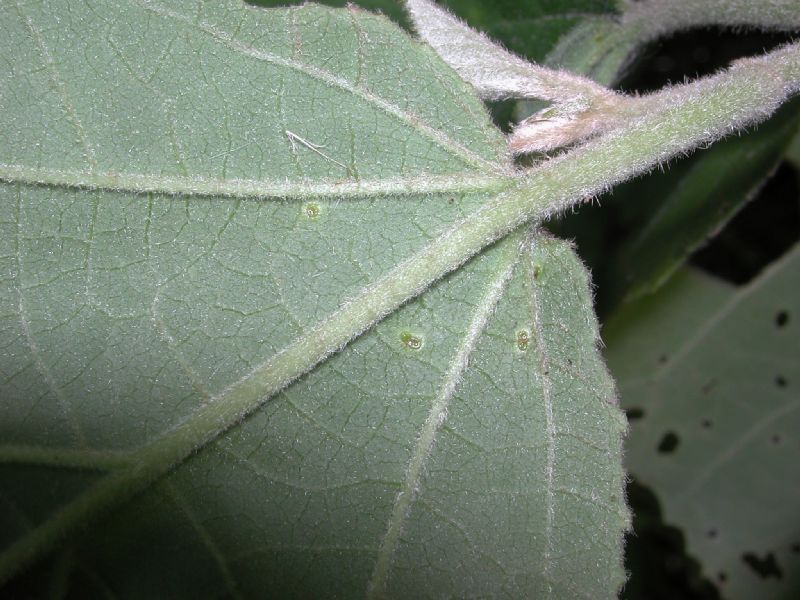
{"points": [[193, 192]]}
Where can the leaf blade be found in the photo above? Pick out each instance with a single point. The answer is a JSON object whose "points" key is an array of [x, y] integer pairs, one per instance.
{"points": [[716, 382], [169, 116], [161, 318]]}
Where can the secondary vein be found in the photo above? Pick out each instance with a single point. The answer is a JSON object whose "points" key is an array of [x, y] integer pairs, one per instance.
{"points": [[437, 416], [413, 121], [550, 429]]}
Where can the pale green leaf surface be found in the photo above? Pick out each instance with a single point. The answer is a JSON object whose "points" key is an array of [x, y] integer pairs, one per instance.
{"points": [[195, 192], [142, 261], [305, 509], [391, 8], [717, 367]]}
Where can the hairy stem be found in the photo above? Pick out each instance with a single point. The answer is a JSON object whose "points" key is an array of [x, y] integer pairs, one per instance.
{"points": [[603, 48], [655, 18]]}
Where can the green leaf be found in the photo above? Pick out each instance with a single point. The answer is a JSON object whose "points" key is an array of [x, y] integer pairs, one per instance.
{"points": [[709, 372], [600, 48], [684, 210], [532, 28], [391, 8], [203, 203]]}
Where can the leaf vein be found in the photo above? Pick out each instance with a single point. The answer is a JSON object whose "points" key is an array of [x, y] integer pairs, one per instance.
{"points": [[60, 88], [436, 417], [410, 120], [550, 428], [199, 185], [41, 367]]}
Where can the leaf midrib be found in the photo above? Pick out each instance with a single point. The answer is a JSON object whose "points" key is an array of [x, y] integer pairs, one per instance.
{"points": [[549, 424], [255, 188]]}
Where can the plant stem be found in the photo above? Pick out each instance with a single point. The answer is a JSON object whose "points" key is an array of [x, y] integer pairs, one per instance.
{"points": [[655, 18], [603, 48]]}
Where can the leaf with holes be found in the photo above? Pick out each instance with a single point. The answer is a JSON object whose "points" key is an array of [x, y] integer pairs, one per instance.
{"points": [[717, 420], [205, 210]]}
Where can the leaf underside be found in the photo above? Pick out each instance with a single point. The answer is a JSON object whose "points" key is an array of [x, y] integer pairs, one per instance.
{"points": [[189, 189]]}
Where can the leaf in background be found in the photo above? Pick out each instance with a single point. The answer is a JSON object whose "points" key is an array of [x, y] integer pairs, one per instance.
{"points": [[699, 202], [391, 8], [530, 29], [201, 202], [599, 48], [710, 373], [793, 151]]}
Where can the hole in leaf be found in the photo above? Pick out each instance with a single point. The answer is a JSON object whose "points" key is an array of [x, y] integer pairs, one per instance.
{"points": [[668, 443], [634, 414], [722, 577], [707, 423], [775, 439], [781, 319], [764, 567], [712, 533], [795, 548], [411, 341], [662, 360], [781, 382]]}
